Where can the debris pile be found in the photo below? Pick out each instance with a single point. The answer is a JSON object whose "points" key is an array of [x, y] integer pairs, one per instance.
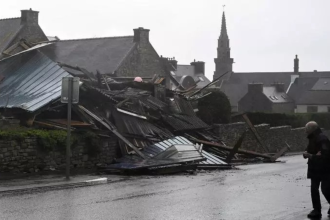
{"points": [[157, 128]]}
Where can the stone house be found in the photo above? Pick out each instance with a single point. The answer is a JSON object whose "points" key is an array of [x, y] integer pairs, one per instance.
{"points": [[260, 98], [311, 94], [235, 84], [121, 57], [18, 34]]}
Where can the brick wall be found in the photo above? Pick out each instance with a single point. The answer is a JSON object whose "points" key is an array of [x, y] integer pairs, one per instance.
{"points": [[27, 156], [273, 137]]}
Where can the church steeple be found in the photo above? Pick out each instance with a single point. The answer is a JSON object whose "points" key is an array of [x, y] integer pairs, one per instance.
{"points": [[224, 26], [223, 62]]}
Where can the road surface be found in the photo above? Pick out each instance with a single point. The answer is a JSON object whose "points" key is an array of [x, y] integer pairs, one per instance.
{"points": [[262, 191]]}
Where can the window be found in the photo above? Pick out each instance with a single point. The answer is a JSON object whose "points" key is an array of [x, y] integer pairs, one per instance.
{"points": [[273, 97], [201, 79], [311, 109]]}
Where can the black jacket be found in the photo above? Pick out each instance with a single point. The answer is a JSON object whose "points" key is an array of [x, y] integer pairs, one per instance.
{"points": [[318, 165]]}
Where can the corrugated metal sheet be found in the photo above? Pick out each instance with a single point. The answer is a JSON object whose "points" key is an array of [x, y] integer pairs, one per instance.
{"points": [[157, 148], [134, 126], [171, 152], [31, 81]]}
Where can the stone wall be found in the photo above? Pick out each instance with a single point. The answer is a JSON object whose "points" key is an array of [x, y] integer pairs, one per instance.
{"points": [[273, 137], [27, 156], [9, 123]]}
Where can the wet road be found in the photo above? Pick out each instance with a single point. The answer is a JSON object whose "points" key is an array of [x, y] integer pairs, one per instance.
{"points": [[263, 191]]}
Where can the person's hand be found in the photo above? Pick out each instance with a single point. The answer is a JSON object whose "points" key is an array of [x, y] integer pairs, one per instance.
{"points": [[318, 153], [307, 155]]}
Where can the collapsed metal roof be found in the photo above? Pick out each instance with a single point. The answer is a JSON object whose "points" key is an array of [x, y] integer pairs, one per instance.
{"points": [[175, 151], [30, 81]]}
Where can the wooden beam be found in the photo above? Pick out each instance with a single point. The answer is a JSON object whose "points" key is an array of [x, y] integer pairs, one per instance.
{"points": [[255, 132], [281, 152], [106, 123], [236, 147], [227, 148], [106, 83]]}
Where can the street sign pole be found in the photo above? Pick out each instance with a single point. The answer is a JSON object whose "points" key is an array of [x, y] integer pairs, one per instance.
{"points": [[69, 95], [67, 173]]}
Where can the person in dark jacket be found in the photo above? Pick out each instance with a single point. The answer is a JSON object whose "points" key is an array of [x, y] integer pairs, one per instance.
{"points": [[318, 154]]}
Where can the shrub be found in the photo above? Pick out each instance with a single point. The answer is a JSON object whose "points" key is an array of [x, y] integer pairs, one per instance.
{"points": [[214, 108], [49, 140]]}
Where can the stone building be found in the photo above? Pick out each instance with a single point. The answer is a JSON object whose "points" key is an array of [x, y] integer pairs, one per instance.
{"points": [[124, 56], [235, 84], [18, 34], [260, 98], [311, 94]]}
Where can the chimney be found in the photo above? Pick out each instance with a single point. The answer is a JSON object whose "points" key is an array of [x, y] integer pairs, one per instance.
{"points": [[296, 65], [174, 62], [141, 35], [199, 67], [29, 17], [279, 87], [171, 63], [255, 87]]}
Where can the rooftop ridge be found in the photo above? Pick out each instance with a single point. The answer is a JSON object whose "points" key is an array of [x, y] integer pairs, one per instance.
{"points": [[2, 19], [94, 38]]}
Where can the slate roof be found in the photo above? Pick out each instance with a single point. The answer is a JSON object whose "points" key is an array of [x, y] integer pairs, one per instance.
{"points": [[275, 96], [237, 86], [322, 84], [9, 28], [314, 98], [301, 92], [103, 54], [29, 81]]}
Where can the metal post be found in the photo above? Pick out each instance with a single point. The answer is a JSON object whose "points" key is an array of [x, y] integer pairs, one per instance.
{"points": [[67, 173]]}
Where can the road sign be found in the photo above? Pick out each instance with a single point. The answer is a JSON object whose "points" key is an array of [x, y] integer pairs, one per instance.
{"points": [[65, 90]]}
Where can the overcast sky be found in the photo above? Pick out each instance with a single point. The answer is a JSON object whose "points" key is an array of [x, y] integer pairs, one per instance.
{"points": [[264, 35]]}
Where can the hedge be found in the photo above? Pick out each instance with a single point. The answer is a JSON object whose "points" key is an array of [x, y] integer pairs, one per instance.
{"points": [[49, 140], [295, 120]]}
